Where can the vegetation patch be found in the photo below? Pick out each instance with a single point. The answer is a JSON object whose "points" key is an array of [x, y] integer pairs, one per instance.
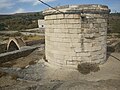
{"points": [[114, 23], [33, 37], [7, 64], [86, 68], [3, 74], [14, 77], [32, 62], [21, 21]]}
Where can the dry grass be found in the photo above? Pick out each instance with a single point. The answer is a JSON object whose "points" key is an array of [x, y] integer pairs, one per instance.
{"points": [[14, 77], [86, 68], [7, 64], [3, 74], [32, 62], [33, 37]]}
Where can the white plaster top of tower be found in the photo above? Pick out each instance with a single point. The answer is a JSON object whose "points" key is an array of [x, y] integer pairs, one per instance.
{"points": [[87, 8]]}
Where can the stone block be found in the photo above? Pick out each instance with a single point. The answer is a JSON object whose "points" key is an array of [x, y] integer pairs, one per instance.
{"points": [[76, 45], [97, 25], [57, 30], [84, 54], [100, 20], [68, 57], [78, 50], [103, 33], [86, 59], [59, 56], [76, 16], [64, 46], [73, 31], [69, 16], [60, 16], [65, 31], [87, 46], [96, 48], [103, 25], [72, 21], [91, 36], [66, 40]]}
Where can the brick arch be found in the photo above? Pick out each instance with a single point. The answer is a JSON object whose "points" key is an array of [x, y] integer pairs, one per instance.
{"points": [[15, 44]]}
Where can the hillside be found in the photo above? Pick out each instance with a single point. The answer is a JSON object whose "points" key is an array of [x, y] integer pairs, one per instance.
{"points": [[20, 21], [114, 23], [29, 20]]}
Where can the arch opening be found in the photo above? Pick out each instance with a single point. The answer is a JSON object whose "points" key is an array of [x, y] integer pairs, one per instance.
{"points": [[12, 46]]}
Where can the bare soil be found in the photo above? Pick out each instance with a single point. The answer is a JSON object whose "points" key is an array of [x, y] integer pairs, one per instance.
{"points": [[30, 73], [20, 63]]}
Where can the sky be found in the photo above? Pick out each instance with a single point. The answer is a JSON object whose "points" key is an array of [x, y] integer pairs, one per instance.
{"points": [[23, 6]]}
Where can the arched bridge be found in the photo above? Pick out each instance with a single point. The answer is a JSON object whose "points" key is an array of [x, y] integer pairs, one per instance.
{"points": [[15, 43]]}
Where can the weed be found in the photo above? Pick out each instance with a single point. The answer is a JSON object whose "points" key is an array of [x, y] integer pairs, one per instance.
{"points": [[86, 68], [3, 74], [32, 62]]}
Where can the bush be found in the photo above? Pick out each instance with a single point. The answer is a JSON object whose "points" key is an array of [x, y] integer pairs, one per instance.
{"points": [[86, 68], [17, 34]]}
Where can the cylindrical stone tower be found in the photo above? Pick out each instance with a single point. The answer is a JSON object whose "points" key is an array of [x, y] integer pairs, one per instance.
{"points": [[76, 34]]}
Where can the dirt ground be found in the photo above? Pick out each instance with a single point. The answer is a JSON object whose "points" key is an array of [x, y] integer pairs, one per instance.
{"points": [[21, 63], [32, 73]]}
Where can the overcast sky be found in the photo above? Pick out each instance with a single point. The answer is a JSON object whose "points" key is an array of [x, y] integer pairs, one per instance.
{"points": [[22, 6]]}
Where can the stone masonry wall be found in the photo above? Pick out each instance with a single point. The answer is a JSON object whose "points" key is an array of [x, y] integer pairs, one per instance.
{"points": [[77, 35]]}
